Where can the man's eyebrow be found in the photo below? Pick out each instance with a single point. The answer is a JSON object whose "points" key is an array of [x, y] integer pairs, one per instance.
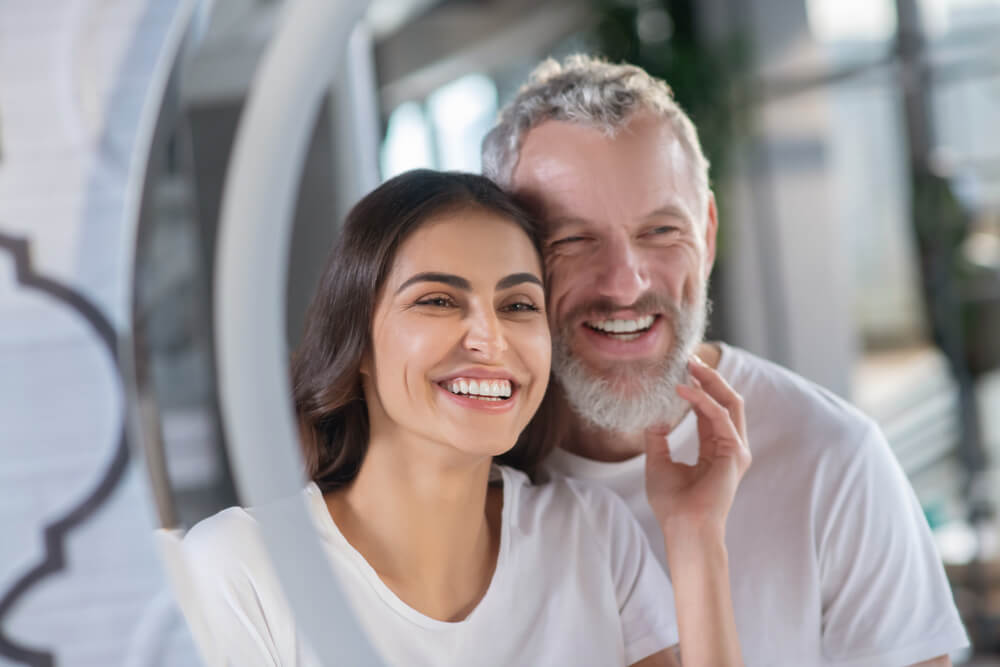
{"points": [[517, 279], [431, 277], [671, 210], [566, 220], [556, 225]]}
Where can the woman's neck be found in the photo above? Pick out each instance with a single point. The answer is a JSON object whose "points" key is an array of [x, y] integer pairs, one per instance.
{"points": [[429, 528]]}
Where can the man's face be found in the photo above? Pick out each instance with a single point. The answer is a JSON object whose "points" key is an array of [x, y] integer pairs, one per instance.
{"points": [[629, 247]]}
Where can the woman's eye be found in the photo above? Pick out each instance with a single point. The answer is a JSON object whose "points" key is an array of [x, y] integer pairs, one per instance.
{"points": [[436, 302], [521, 307]]}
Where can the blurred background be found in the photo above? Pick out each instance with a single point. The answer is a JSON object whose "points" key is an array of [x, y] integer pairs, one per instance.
{"points": [[855, 156]]}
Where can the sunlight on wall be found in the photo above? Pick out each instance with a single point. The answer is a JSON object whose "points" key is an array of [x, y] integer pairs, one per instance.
{"points": [[443, 133], [875, 20], [851, 20], [407, 142]]}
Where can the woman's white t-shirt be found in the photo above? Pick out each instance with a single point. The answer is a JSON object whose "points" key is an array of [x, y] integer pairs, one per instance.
{"points": [[575, 584]]}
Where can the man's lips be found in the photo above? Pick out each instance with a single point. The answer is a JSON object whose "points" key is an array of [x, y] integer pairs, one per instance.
{"points": [[631, 342], [623, 328]]}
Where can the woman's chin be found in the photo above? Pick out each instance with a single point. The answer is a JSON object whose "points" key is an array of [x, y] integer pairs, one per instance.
{"points": [[473, 444]]}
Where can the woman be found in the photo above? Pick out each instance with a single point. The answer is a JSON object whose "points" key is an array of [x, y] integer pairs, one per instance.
{"points": [[425, 355]]}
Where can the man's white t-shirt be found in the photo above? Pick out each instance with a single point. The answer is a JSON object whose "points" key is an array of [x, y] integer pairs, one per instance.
{"points": [[831, 559], [575, 584]]}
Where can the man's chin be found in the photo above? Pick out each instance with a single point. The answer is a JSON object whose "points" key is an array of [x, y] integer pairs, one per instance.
{"points": [[624, 376]]}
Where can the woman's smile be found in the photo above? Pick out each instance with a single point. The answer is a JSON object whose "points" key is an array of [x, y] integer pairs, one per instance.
{"points": [[493, 391]]}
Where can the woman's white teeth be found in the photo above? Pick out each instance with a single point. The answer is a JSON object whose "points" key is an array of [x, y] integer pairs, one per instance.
{"points": [[624, 326], [486, 389]]}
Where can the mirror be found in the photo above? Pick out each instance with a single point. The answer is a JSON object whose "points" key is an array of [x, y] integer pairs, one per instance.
{"points": [[179, 318]]}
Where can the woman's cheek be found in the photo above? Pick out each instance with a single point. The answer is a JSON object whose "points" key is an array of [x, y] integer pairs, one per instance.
{"points": [[541, 351]]}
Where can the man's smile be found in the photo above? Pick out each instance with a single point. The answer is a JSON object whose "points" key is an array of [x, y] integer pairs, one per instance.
{"points": [[625, 330], [637, 337]]}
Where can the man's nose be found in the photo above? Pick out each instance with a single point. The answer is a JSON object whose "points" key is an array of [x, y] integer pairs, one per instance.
{"points": [[622, 275], [485, 335]]}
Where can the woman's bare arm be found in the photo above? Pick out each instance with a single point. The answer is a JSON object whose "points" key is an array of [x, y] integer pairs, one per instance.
{"points": [[692, 503], [670, 657]]}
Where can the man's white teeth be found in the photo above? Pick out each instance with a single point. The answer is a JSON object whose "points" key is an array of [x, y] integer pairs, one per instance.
{"points": [[633, 327], [485, 389]]}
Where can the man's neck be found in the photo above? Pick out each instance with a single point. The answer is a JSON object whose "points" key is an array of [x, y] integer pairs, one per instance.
{"points": [[592, 443], [583, 439]]}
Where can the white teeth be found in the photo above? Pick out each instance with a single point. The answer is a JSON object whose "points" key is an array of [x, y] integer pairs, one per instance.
{"points": [[482, 389], [623, 326]]}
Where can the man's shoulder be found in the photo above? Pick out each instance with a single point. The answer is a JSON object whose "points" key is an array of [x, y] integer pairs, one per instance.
{"points": [[779, 395]]}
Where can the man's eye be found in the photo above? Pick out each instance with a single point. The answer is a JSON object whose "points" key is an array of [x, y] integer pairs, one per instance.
{"points": [[567, 240], [436, 302], [663, 229]]}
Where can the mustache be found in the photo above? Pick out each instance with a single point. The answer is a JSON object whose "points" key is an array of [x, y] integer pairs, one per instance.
{"points": [[602, 308]]}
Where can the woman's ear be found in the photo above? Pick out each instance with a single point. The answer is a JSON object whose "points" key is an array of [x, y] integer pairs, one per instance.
{"points": [[366, 365]]}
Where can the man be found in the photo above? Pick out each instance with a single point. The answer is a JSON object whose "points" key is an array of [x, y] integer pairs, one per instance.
{"points": [[831, 560]]}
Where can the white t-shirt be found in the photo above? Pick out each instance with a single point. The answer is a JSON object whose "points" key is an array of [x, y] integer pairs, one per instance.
{"points": [[575, 584], [831, 559]]}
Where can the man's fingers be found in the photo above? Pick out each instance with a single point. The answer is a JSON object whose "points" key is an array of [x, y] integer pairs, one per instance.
{"points": [[716, 386]]}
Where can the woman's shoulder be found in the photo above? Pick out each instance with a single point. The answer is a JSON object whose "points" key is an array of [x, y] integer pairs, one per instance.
{"points": [[219, 540]]}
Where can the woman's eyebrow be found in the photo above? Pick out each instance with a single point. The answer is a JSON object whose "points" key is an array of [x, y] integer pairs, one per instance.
{"points": [[517, 279], [431, 277]]}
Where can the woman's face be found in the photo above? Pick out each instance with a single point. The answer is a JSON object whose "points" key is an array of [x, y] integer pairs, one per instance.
{"points": [[460, 344]]}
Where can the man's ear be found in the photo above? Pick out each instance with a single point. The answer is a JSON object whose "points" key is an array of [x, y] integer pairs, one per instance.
{"points": [[711, 231]]}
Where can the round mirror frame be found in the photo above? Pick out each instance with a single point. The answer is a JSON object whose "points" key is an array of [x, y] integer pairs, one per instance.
{"points": [[294, 74]]}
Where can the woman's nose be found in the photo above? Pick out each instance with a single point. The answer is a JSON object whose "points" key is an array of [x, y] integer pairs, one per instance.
{"points": [[485, 335]]}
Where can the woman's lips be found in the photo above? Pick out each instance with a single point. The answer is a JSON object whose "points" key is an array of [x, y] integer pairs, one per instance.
{"points": [[488, 404]]}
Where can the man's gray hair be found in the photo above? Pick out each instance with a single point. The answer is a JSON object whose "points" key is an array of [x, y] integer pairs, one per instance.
{"points": [[587, 90]]}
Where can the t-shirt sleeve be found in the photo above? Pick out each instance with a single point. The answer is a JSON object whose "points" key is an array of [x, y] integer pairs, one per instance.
{"points": [[234, 584], [886, 599], [643, 591]]}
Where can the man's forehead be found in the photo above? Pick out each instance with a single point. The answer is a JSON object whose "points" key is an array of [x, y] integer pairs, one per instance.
{"points": [[565, 181], [570, 185], [562, 152], [548, 136]]}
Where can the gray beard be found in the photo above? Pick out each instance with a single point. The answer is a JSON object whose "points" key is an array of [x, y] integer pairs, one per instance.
{"points": [[633, 396]]}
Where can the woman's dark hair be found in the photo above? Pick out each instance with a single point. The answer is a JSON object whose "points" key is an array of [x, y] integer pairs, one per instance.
{"points": [[326, 367]]}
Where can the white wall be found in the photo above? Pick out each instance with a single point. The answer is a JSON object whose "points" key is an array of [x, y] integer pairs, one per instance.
{"points": [[788, 279], [73, 75]]}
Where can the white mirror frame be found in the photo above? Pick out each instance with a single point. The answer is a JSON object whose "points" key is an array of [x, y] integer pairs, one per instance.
{"points": [[294, 74]]}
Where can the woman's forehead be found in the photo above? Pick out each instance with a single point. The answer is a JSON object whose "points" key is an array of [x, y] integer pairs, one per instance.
{"points": [[469, 242]]}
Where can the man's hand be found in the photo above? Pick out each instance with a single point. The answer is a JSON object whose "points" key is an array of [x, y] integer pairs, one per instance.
{"points": [[700, 495]]}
